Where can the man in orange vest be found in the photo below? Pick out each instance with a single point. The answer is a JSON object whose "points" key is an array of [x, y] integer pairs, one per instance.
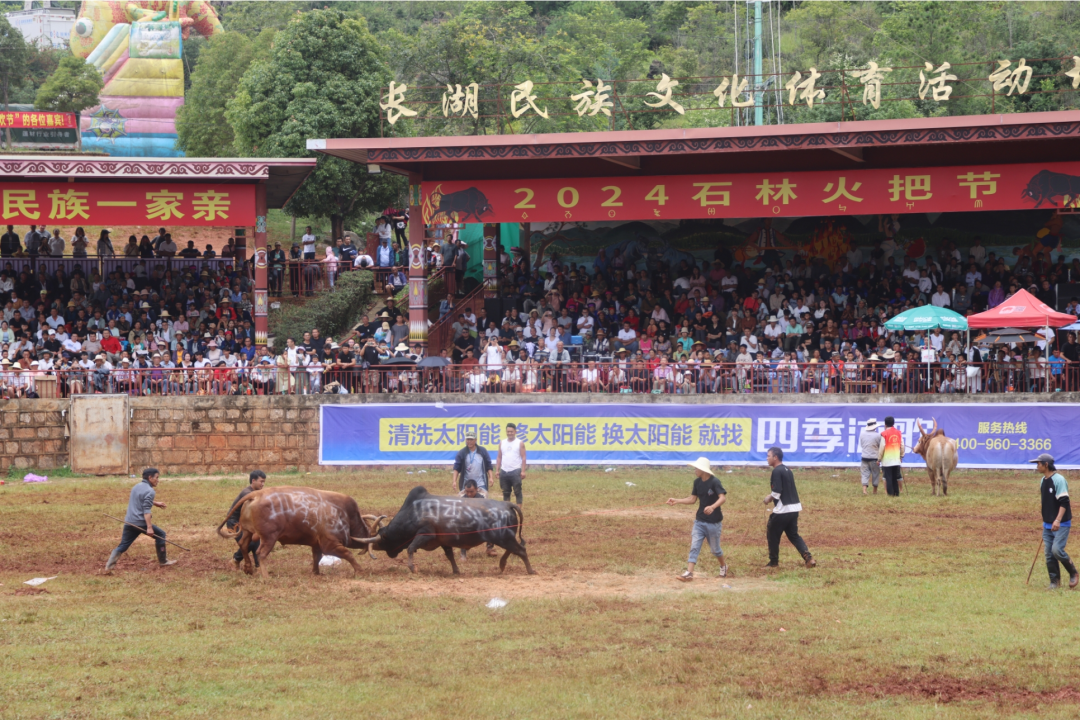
{"points": [[891, 452]]}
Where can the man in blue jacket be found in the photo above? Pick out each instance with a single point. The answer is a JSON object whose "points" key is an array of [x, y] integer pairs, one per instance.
{"points": [[141, 503]]}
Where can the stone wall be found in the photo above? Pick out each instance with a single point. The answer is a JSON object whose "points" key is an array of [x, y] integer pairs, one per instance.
{"points": [[224, 434], [219, 435], [33, 434]]}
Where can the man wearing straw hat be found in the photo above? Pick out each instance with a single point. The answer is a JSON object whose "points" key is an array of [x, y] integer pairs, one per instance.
{"points": [[710, 495], [869, 449]]}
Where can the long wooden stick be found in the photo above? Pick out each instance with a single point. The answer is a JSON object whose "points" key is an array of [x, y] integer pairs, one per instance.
{"points": [[1042, 544], [144, 531]]}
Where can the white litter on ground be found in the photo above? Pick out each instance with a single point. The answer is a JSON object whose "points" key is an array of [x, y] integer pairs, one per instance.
{"points": [[630, 484], [609, 469], [329, 561], [496, 602], [39, 581]]}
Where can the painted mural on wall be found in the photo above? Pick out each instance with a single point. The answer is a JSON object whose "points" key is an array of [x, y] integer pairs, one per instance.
{"points": [[765, 242], [136, 46]]}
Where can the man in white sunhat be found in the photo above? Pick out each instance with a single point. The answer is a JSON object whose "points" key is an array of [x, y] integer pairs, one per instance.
{"points": [[869, 444], [710, 495]]}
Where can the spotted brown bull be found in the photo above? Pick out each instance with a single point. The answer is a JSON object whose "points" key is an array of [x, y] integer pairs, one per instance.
{"points": [[940, 455], [327, 522]]}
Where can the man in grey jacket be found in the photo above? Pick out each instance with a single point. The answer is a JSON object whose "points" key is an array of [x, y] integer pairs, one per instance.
{"points": [[870, 450], [138, 521]]}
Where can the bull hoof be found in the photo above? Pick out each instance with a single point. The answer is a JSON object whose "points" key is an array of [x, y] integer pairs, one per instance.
{"points": [[412, 569], [532, 572]]}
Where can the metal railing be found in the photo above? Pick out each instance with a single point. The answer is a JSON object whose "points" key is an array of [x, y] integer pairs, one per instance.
{"points": [[440, 333], [534, 376]]}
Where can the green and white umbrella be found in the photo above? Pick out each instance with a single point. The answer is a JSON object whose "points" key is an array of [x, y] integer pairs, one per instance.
{"points": [[927, 317]]}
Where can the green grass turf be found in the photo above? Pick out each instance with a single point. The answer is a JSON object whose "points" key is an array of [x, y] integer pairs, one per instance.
{"points": [[917, 609]]}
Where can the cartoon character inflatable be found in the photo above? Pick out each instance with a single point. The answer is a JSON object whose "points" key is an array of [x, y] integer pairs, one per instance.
{"points": [[136, 46]]}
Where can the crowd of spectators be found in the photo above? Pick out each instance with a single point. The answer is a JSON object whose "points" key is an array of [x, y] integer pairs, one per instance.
{"points": [[778, 325], [141, 326], [615, 325]]}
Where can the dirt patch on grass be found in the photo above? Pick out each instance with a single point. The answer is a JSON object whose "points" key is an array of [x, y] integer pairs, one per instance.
{"points": [[563, 585], [946, 689]]}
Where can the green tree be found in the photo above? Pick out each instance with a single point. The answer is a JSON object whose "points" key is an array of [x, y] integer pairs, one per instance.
{"points": [[13, 61], [201, 127], [323, 79], [251, 18], [72, 88]]}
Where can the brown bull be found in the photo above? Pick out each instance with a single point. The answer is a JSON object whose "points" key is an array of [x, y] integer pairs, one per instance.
{"points": [[327, 522], [940, 455]]}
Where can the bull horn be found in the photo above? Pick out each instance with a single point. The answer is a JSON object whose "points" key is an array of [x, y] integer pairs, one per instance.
{"points": [[366, 541], [935, 426], [918, 424]]}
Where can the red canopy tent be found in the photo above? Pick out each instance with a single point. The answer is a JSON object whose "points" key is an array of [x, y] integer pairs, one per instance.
{"points": [[1021, 310]]}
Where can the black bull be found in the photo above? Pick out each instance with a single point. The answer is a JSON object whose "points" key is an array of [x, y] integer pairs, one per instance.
{"points": [[1044, 186], [469, 201], [430, 522]]}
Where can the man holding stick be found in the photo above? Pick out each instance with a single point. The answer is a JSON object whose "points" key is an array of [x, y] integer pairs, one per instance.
{"points": [[138, 520], [256, 480], [1057, 522]]}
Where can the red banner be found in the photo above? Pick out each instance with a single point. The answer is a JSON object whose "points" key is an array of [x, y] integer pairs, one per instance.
{"points": [[37, 120], [157, 202], [780, 194]]}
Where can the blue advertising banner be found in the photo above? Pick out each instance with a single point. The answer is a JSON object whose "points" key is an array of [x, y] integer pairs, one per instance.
{"points": [[1005, 435]]}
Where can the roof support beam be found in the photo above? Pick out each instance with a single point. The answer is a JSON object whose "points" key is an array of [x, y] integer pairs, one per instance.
{"points": [[630, 161], [850, 153]]}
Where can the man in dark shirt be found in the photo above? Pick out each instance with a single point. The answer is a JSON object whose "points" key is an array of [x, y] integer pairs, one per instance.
{"points": [[710, 495], [256, 480], [785, 514], [1057, 521], [10, 243]]}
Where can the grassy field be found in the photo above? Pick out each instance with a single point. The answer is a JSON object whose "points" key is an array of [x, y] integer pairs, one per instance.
{"points": [[917, 609]]}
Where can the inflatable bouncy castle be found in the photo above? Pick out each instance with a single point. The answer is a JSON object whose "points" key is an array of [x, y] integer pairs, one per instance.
{"points": [[136, 46]]}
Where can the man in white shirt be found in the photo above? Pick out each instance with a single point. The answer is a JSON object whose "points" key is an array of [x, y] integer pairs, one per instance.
{"points": [[307, 243], [925, 284], [973, 275], [363, 260], [911, 273], [750, 341], [585, 323], [511, 463], [977, 251], [937, 341], [54, 320], [72, 345], [773, 330], [941, 298], [627, 338]]}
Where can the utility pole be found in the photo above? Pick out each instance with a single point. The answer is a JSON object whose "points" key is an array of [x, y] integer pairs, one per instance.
{"points": [[758, 119]]}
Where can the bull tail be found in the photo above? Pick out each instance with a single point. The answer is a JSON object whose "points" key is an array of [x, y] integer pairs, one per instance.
{"points": [[239, 504], [520, 523]]}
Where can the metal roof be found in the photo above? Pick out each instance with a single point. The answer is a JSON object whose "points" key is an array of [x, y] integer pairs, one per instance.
{"points": [[281, 175], [939, 141]]}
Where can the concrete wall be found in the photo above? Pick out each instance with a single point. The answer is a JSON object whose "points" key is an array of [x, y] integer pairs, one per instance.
{"points": [[217, 435]]}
